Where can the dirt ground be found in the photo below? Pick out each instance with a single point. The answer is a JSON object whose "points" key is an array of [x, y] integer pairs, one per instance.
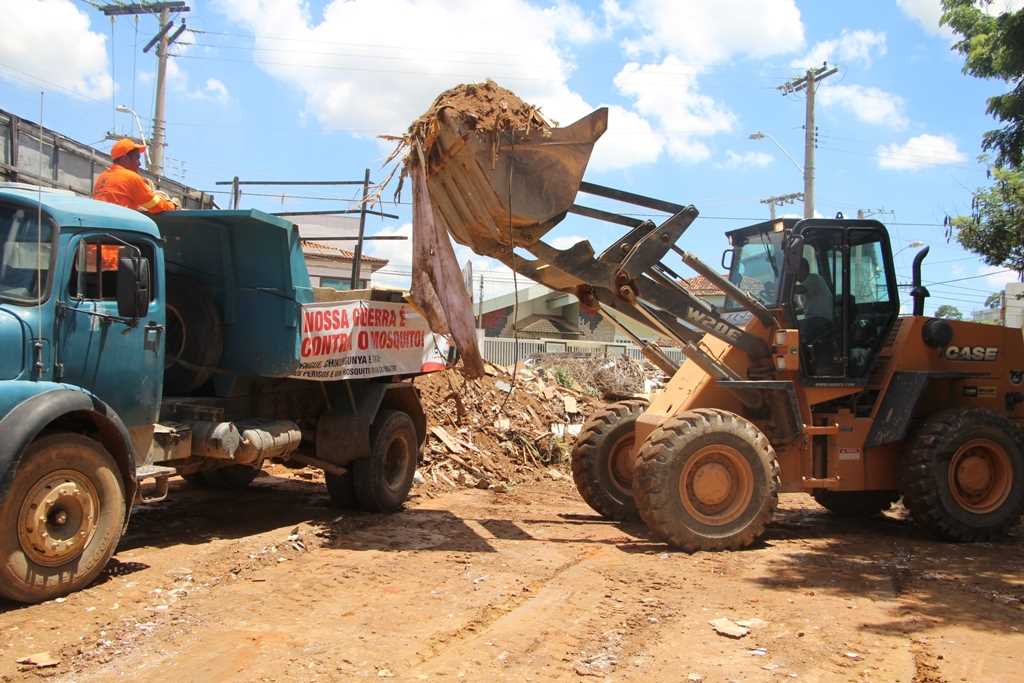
{"points": [[272, 584]]}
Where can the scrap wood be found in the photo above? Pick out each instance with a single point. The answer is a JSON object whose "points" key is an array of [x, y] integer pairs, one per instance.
{"points": [[450, 443]]}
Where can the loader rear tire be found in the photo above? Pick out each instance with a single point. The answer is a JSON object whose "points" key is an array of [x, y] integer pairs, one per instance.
{"points": [[855, 503], [602, 460], [963, 479], [706, 480]]}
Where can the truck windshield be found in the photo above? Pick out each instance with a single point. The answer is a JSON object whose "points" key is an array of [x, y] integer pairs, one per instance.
{"points": [[757, 267], [26, 249]]}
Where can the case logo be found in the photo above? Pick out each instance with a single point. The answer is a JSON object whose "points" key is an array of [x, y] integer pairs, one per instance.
{"points": [[982, 353]]}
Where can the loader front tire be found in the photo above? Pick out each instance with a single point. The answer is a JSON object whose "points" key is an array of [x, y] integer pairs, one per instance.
{"points": [[855, 503], [963, 479], [706, 480], [602, 460]]}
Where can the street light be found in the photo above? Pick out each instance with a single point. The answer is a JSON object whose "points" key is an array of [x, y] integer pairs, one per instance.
{"points": [[910, 245], [758, 135], [125, 109]]}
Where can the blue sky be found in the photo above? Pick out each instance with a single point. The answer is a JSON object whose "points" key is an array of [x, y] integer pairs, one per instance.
{"points": [[284, 89]]}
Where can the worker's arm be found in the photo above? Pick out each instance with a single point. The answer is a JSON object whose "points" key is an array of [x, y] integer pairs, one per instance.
{"points": [[148, 201]]}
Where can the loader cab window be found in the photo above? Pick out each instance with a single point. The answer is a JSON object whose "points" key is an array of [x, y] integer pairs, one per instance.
{"points": [[843, 301], [757, 267]]}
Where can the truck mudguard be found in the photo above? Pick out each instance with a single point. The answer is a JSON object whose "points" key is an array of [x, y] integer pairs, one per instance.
{"points": [[23, 423]]}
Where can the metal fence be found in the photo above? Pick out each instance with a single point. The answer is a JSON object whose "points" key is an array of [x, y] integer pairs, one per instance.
{"points": [[502, 350]]}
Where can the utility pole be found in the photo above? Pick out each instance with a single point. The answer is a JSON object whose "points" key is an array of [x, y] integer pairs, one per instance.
{"points": [[480, 305], [808, 82], [780, 200], [164, 9]]}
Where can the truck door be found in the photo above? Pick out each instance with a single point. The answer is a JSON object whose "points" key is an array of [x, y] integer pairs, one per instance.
{"points": [[119, 361]]}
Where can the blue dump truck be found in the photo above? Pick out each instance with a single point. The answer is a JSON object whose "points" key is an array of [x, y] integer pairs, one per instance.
{"points": [[132, 350]]}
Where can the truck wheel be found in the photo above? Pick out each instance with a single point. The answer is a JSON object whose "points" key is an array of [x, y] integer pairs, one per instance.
{"points": [[602, 460], [61, 519], [195, 340], [963, 479], [341, 489], [855, 503], [706, 480], [382, 480]]}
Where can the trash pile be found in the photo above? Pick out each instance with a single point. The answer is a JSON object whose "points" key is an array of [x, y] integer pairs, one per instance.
{"points": [[482, 436], [613, 377]]}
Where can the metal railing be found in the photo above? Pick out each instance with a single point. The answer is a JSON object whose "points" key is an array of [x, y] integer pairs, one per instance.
{"points": [[502, 350]]}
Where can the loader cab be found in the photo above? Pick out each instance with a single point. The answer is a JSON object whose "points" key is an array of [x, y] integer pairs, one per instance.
{"points": [[832, 279]]}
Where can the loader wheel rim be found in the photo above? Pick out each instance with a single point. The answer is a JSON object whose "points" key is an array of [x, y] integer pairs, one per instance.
{"points": [[396, 463], [58, 518], [620, 464], [980, 476], [716, 485]]}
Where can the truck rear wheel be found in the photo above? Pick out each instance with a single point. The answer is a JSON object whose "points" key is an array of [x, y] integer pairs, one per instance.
{"points": [[61, 519], [602, 460], [383, 480], [706, 480], [195, 340], [963, 479], [855, 503]]}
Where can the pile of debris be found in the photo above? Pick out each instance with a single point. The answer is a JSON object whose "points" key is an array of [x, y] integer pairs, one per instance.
{"points": [[498, 431], [611, 377]]}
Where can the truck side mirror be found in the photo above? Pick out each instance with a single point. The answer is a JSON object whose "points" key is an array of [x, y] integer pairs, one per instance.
{"points": [[133, 282]]}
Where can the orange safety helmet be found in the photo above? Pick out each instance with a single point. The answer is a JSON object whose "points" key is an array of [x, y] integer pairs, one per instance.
{"points": [[124, 146]]}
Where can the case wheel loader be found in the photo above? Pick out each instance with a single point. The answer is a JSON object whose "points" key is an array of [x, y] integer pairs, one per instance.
{"points": [[806, 380]]}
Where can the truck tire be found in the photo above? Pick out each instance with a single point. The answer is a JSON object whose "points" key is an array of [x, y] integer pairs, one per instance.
{"points": [[602, 460], [341, 489], [963, 478], [706, 480], [72, 484], [195, 338], [855, 503], [383, 479]]}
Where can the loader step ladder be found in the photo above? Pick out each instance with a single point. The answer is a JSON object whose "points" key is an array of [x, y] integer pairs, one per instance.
{"points": [[160, 476]]}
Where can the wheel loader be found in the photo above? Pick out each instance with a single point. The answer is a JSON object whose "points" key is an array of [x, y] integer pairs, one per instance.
{"points": [[807, 379]]}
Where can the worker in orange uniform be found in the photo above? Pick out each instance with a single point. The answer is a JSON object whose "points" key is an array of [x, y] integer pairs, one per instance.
{"points": [[122, 183]]}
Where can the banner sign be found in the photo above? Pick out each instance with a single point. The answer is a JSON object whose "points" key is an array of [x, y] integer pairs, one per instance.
{"points": [[360, 339]]}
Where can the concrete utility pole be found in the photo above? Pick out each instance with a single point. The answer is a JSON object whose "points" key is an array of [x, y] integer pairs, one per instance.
{"points": [[158, 137], [808, 82], [780, 200]]}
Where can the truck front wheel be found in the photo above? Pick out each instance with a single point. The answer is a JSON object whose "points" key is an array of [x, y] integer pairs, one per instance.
{"points": [[382, 480], [61, 519]]}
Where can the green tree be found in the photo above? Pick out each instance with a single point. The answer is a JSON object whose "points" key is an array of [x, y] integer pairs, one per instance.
{"points": [[994, 300], [993, 47], [948, 312]]}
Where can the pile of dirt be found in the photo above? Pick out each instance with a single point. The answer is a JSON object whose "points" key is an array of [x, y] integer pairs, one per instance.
{"points": [[486, 108], [596, 376], [482, 436]]}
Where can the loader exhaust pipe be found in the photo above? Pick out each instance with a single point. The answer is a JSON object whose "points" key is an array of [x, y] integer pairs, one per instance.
{"points": [[919, 292]]}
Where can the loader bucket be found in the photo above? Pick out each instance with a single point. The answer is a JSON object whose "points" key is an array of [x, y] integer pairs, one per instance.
{"points": [[493, 192]]}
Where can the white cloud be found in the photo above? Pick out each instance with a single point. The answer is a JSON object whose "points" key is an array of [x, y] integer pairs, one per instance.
{"points": [[212, 91], [734, 160], [407, 52], [920, 152], [849, 47], [50, 41], [668, 93], [870, 105], [927, 13], [566, 241], [712, 31]]}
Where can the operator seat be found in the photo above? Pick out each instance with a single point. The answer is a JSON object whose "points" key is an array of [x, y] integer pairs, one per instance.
{"points": [[815, 318]]}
